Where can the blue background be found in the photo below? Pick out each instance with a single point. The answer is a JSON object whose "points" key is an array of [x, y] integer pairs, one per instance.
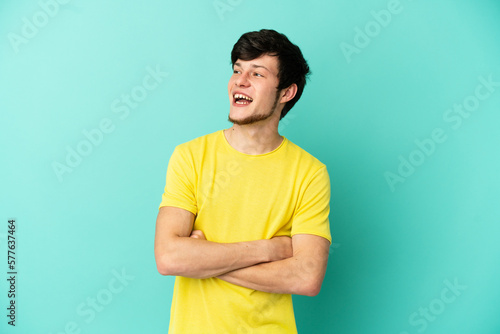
{"points": [[398, 242]]}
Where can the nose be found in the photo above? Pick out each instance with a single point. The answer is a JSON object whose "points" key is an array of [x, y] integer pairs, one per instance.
{"points": [[242, 80]]}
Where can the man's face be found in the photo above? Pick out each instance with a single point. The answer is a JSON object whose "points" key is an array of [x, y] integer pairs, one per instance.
{"points": [[253, 94]]}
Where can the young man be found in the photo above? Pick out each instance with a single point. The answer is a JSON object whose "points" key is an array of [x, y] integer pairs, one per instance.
{"points": [[243, 221]]}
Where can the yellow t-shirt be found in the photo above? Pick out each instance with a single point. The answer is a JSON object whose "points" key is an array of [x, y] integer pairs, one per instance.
{"points": [[241, 197]]}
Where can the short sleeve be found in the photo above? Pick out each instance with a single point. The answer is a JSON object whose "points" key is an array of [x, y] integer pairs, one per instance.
{"points": [[311, 216], [179, 187]]}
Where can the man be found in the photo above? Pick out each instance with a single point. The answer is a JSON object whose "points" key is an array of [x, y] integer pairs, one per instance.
{"points": [[243, 221]]}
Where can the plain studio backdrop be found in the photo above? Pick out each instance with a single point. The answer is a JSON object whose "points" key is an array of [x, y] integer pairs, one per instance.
{"points": [[403, 106]]}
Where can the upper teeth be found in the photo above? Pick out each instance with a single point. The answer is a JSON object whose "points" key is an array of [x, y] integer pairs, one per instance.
{"points": [[241, 96]]}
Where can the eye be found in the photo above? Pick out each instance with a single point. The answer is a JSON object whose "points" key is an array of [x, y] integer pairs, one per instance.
{"points": [[236, 71], [258, 74]]}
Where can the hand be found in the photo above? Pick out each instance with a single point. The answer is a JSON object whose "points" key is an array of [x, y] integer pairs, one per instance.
{"points": [[197, 234], [281, 248]]}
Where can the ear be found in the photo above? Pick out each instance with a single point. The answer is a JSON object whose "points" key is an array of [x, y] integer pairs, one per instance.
{"points": [[288, 93]]}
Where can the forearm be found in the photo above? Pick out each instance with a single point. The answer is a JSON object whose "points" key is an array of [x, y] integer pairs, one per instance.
{"points": [[274, 277], [182, 251], [301, 274], [197, 258]]}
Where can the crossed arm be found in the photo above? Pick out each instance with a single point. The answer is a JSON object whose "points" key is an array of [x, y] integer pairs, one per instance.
{"points": [[294, 265]]}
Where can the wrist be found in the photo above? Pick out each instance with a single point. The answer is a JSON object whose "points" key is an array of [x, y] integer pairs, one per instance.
{"points": [[262, 250], [266, 246]]}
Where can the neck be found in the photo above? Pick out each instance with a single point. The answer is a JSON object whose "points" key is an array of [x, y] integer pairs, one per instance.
{"points": [[252, 139]]}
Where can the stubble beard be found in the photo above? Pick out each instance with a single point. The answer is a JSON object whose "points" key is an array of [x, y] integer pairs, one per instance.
{"points": [[256, 118]]}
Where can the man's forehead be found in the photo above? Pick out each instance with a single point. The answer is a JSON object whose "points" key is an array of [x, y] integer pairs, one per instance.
{"points": [[266, 62]]}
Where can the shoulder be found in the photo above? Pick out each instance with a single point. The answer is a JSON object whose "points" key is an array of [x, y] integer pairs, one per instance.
{"points": [[200, 143], [190, 152], [305, 158]]}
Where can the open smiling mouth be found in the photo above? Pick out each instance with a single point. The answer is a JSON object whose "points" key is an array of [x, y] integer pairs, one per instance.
{"points": [[242, 99]]}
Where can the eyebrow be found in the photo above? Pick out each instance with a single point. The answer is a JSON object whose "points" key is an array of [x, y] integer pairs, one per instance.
{"points": [[253, 66]]}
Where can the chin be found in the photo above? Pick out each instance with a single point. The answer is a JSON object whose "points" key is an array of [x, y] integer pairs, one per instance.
{"points": [[237, 116], [237, 121]]}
